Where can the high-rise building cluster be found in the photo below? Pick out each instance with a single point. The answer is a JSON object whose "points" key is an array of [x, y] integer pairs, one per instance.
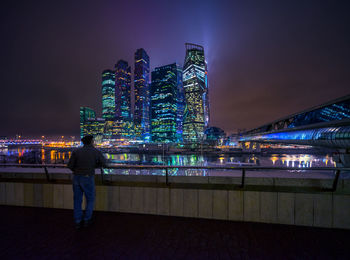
{"points": [[171, 107]]}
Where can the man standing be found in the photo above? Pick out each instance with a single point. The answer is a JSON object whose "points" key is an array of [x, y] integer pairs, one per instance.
{"points": [[83, 162]]}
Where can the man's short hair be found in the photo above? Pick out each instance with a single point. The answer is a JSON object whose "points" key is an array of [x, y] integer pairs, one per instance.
{"points": [[87, 139]]}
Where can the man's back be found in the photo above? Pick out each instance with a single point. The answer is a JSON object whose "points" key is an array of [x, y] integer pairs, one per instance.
{"points": [[84, 160]]}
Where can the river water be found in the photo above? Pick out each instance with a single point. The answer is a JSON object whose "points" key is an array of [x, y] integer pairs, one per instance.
{"points": [[30, 155], [303, 161]]}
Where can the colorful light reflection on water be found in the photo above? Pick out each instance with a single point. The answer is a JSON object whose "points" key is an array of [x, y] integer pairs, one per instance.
{"points": [[303, 161]]}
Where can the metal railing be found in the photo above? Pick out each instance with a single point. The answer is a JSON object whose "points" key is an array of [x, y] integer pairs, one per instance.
{"points": [[337, 170]]}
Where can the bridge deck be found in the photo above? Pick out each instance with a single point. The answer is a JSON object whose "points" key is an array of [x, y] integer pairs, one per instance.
{"points": [[33, 233]]}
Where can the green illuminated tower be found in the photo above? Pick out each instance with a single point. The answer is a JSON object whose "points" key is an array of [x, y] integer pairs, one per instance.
{"points": [[108, 94]]}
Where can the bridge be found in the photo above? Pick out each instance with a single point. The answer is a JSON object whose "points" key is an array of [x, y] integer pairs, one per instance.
{"points": [[326, 125], [334, 134], [332, 111]]}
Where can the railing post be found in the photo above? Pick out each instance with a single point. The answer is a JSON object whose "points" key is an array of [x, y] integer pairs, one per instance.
{"points": [[335, 181], [47, 173], [166, 176], [243, 178], [102, 179]]}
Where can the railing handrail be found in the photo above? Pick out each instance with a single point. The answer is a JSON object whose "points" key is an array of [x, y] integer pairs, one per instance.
{"points": [[167, 167], [205, 167]]}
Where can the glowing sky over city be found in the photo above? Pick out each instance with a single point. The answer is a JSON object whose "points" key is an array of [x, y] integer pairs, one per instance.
{"points": [[266, 59]]}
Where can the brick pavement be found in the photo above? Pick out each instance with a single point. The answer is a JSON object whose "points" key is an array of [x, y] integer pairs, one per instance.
{"points": [[39, 233]]}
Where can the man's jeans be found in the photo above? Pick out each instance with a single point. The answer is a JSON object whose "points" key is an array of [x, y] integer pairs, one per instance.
{"points": [[83, 184]]}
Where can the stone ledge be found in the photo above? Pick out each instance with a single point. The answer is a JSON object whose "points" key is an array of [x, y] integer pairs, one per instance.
{"points": [[192, 182]]}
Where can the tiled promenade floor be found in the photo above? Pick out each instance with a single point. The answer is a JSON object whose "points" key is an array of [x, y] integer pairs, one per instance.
{"points": [[38, 233]]}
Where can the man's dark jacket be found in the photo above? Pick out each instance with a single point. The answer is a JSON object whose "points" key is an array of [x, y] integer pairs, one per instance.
{"points": [[84, 160]]}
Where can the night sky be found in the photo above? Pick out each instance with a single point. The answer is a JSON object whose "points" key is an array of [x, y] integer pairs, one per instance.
{"points": [[266, 59]]}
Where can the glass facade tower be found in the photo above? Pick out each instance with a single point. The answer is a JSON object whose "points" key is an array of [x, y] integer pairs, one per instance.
{"points": [[164, 90], [195, 83], [86, 114], [142, 95], [122, 90], [180, 106], [108, 94]]}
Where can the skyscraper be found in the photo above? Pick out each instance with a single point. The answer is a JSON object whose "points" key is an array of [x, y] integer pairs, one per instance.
{"points": [[180, 106], [86, 114], [142, 95], [195, 83], [164, 90], [96, 128], [108, 94], [122, 90]]}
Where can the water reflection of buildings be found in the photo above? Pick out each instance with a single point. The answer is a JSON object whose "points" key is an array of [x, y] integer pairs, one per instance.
{"points": [[302, 161], [20, 155], [61, 156], [158, 159], [23, 155]]}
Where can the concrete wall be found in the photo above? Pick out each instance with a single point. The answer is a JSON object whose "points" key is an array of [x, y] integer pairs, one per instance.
{"points": [[320, 209]]}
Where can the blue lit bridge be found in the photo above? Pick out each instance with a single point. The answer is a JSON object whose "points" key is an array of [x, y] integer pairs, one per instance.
{"points": [[330, 112], [327, 125]]}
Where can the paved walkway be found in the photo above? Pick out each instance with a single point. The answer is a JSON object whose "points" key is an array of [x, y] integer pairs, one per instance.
{"points": [[38, 233]]}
